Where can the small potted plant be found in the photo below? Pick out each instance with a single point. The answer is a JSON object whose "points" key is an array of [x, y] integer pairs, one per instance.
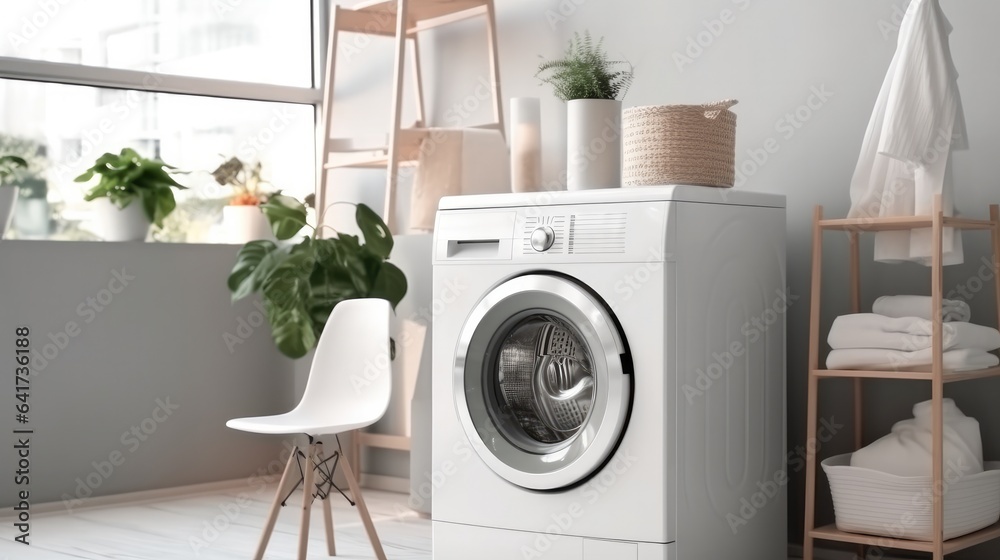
{"points": [[242, 218], [300, 284], [133, 192], [592, 85], [8, 193]]}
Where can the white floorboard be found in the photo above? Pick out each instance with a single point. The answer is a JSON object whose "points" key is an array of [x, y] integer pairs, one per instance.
{"points": [[218, 525], [222, 525]]}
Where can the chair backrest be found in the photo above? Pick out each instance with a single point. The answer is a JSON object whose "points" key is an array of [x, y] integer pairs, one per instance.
{"points": [[351, 374]]}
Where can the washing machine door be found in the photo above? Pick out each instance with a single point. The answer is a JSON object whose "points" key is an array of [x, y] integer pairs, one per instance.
{"points": [[542, 381]]}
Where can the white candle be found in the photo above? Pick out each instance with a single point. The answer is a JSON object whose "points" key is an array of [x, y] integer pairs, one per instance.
{"points": [[525, 144]]}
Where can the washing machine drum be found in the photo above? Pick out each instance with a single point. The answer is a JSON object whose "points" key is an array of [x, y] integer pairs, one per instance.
{"points": [[543, 381]]}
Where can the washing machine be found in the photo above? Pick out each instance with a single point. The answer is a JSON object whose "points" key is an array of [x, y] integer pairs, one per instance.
{"points": [[609, 376]]}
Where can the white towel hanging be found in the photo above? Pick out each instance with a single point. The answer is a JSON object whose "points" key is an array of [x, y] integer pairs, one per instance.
{"points": [[906, 155]]}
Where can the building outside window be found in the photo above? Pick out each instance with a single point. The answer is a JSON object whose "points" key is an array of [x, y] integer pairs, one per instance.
{"points": [[192, 82]]}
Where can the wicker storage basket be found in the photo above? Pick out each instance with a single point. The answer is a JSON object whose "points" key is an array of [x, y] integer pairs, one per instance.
{"points": [[679, 144]]}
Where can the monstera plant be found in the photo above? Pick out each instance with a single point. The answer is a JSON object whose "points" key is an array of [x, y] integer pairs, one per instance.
{"points": [[301, 283]]}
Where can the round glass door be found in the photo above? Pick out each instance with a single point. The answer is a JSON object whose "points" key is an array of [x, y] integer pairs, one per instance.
{"points": [[540, 383]]}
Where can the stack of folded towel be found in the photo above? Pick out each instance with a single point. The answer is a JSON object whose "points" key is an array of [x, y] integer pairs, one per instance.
{"points": [[897, 335], [908, 449]]}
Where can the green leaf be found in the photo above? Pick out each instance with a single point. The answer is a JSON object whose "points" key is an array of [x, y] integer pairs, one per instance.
{"points": [[286, 215], [377, 236], [390, 284], [242, 280], [292, 331]]}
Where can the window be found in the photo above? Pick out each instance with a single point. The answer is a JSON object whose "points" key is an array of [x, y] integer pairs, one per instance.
{"points": [[192, 82]]}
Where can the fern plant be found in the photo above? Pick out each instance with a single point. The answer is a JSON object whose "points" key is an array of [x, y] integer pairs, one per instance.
{"points": [[586, 72]]}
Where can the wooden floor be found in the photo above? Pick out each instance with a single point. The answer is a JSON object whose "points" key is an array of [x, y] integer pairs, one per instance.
{"points": [[222, 525], [219, 525]]}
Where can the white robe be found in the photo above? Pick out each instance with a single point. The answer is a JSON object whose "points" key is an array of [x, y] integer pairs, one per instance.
{"points": [[906, 155]]}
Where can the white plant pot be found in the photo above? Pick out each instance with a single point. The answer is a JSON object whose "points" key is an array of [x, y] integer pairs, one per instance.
{"points": [[8, 198], [594, 144], [120, 224], [242, 224]]}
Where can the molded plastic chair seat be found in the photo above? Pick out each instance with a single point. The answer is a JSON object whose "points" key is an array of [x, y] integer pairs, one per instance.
{"points": [[294, 423], [349, 385]]}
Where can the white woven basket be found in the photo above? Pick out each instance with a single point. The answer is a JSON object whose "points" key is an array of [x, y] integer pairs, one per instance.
{"points": [[679, 144], [876, 503]]}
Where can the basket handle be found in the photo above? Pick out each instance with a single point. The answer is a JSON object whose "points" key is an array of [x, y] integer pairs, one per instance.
{"points": [[713, 110]]}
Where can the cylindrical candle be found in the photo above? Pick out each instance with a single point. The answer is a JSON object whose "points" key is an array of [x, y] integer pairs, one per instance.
{"points": [[525, 144]]}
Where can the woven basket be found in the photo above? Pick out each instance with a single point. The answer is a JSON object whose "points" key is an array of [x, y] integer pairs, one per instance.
{"points": [[679, 144]]}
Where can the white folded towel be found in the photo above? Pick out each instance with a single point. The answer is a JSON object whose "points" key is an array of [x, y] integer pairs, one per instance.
{"points": [[907, 450], [881, 359], [870, 330], [920, 306]]}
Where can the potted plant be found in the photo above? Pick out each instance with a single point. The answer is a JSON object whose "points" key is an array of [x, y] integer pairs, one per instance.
{"points": [[242, 218], [133, 192], [300, 284], [592, 85], [8, 194], [31, 211]]}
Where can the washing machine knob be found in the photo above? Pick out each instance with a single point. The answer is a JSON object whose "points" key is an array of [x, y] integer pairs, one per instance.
{"points": [[542, 238]]}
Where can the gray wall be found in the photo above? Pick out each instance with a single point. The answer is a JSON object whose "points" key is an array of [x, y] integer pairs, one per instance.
{"points": [[158, 340], [772, 57]]}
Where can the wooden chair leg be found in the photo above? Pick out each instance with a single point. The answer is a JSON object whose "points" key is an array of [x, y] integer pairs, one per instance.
{"points": [[272, 516], [363, 510], [331, 545], [307, 498]]}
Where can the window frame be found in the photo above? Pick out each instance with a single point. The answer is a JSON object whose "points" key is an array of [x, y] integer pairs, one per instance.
{"points": [[24, 69]]}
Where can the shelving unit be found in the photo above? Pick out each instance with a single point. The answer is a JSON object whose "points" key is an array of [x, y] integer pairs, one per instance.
{"points": [[935, 373], [401, 21]]}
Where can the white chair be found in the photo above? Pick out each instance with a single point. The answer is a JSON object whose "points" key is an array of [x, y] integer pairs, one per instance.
{"points": [[348, 388]]}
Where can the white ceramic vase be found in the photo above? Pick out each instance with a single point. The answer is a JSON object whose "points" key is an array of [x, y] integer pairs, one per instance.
{"points": [[8, 198], [120, 224], [242, 224], [594, 144]]}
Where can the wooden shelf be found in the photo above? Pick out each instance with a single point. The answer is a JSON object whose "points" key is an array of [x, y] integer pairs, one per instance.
{"points": [[345, 152], [935, 373], [378, 17], [920, 374], [831, 533], [900, 223]]}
